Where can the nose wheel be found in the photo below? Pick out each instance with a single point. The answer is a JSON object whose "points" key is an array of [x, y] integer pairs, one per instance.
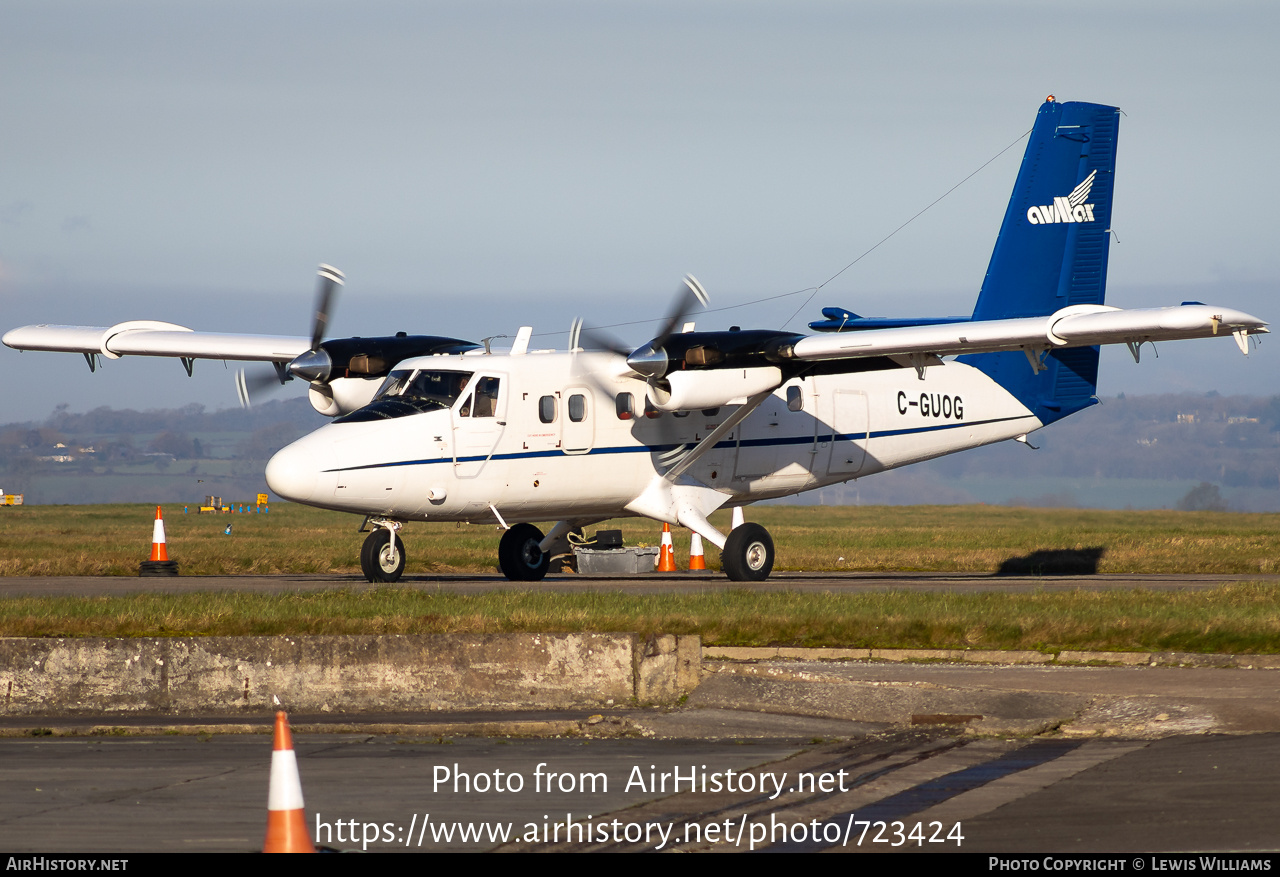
{"points": [[380, 561], [748, 554], [519, 557]]}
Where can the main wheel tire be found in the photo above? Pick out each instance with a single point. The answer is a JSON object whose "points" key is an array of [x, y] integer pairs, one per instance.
{"points": [[519, 557], [376, 559], [748, 554]]}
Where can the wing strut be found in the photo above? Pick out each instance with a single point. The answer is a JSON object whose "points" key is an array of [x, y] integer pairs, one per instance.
{"points": [[716, 434]]}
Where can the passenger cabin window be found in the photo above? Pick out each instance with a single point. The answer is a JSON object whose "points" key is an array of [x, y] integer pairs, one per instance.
{"points": [[625, 406], [795, 401], [710, 412], [547, 409], [650, 411], [577, 407], [679, 413]]}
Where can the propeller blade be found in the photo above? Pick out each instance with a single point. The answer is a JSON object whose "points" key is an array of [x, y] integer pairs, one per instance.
{"points": [[253, 383], [583, 337], [650, 360], [330, 279], [690, 294]]}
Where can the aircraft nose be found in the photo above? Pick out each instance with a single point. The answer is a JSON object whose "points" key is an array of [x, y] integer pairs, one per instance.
{"points": [[292, 473]]}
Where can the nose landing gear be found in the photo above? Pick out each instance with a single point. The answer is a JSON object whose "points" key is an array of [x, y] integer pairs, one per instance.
{"points": [[382, 556]]}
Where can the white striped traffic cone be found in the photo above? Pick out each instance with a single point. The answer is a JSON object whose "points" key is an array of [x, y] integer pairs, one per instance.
{"points": [[286, 818], [667, 557], [159, 564], [697, 561]]}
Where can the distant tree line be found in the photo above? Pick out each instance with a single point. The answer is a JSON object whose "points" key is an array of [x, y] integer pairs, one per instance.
{"points": [[1233, 441]]}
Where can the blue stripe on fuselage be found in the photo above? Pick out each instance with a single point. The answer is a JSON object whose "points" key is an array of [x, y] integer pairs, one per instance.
{"points": [[658, 449]]}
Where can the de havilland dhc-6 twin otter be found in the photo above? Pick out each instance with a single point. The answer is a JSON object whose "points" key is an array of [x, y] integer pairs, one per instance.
{"points": [[440, 429]]}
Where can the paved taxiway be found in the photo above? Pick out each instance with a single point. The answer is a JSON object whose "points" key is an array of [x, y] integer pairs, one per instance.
{"points": [[208, 794], [1080, 759]]}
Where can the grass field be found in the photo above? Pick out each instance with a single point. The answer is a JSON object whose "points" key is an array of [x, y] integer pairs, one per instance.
{"points": [[113, 539], [1235, 618], [1238, 618]]}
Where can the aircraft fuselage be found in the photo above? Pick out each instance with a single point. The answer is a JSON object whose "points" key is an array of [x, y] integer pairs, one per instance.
{"points": [[556, 446]]}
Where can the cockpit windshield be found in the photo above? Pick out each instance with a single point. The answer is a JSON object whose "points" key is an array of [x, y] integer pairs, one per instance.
{"points": [[412, 391]]}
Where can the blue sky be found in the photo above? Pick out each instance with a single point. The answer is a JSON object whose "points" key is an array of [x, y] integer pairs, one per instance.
{"points": [[475, 166]]}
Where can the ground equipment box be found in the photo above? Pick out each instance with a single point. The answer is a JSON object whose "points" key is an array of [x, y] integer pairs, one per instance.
{"points": [[619, 561]]}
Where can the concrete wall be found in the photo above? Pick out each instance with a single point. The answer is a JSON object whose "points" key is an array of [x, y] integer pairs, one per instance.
{"points": [[221, 675]]}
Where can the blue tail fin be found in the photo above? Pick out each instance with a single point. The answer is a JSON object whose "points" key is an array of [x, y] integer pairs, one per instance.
{"points": [[1052, 252]]}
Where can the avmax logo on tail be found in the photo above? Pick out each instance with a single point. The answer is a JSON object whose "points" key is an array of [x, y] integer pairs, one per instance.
{"points": [[1069, 209]]}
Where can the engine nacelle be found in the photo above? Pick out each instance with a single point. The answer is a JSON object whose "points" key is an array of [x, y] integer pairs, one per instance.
{"points": [[711, 388], [342, 395]]}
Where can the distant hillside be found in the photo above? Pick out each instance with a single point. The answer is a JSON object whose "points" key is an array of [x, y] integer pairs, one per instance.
{"points": [[1139, 451], [1135, 451], [179, 455]]}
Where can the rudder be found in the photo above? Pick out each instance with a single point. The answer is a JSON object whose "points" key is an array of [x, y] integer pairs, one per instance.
{"points": [[1052, 251]]}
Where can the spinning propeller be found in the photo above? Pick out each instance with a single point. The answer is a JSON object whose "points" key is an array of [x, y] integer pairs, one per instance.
{"points": [[358, 362], [315, 365], [650, 360]]}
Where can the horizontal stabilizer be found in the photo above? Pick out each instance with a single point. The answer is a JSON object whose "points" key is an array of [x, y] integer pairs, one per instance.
{"points": [[846, 321], [1075, 326]]}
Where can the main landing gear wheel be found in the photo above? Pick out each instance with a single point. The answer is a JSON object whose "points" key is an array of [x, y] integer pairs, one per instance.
{"points": [[376, 559], [748, 554], [519, 557]]}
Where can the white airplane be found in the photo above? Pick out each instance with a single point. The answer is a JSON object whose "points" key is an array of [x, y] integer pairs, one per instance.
{"points": [[440, 429]]}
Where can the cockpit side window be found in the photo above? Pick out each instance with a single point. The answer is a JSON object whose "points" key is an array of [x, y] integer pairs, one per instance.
{"points": [[486, 398], [412, 391], [394, 384]]}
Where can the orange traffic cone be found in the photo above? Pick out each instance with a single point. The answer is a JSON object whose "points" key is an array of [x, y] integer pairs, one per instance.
{"points": [[158, 549], [667, 559], [286, 819], [159, 564], [696, 560]]}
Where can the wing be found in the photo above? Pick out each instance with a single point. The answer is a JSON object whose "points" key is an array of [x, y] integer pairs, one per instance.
{"points": [[153, 338], [1075, 326]]}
